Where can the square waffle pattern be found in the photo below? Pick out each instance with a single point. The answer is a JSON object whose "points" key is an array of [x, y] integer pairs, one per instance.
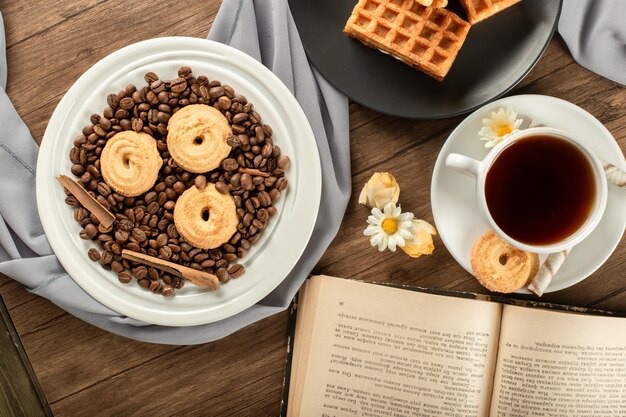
{"points": [[425, 38], [478, 10]]}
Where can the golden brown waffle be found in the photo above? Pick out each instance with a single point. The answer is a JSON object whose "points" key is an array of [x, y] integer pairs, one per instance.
{"points": [[425, 38], [433, 3], [478, 10]]}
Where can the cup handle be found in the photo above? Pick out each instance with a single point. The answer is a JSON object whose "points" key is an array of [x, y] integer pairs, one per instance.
{"points": [[463, 164]]}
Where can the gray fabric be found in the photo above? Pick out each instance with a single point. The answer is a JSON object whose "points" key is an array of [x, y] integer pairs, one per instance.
{"points": [[595, 33], [268, 34]]}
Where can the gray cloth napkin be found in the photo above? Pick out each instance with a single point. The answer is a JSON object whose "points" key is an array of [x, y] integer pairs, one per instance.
{"points": [[595, 33], [262, 29]]}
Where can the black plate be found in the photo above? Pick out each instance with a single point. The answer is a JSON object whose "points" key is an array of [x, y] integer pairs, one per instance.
{"points": [[497, 54]]}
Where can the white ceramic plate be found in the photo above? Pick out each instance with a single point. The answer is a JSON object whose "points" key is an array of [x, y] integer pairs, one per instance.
{"points": [[270, 260], [455, 209]]}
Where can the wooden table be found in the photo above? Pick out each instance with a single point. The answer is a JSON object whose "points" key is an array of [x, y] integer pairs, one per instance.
{"points": [[86, 371]]}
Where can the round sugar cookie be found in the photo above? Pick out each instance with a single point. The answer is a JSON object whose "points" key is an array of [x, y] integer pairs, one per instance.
{"points": [[130, 163], [501, 267], [206, 218], [196, 138]]}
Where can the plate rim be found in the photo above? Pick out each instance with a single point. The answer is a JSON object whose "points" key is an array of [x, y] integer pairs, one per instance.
{"points": [[438, 168], [553, 29], [194, 315]]}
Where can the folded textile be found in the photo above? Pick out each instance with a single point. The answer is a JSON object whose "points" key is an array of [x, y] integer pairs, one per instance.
{"points": [[595, 33]]}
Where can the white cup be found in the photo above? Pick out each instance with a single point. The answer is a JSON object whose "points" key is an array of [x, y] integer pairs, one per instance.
{"points": [[479, 170]]}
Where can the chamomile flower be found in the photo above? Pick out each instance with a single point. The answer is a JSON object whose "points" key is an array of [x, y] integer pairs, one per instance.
{"points": [[389, 228], [499, 126]]}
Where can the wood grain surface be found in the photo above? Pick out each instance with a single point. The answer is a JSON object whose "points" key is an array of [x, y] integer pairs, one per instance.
{"points": [[85, 371]]}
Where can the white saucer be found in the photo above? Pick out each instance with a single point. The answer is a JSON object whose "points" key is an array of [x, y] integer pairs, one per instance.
{"points": [[455, 209]]}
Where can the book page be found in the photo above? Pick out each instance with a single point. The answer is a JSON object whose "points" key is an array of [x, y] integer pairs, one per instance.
{"points": [[382, 351], [560, 364]]}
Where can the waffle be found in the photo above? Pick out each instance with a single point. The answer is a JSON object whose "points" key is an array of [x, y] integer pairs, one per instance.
{"points": [[425, 38], [433, 3], [478, 10]]}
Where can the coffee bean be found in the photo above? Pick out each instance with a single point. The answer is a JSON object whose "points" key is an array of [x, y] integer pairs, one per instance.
{"points": [[233, 141], [172, 232], [144, 283], [165, 252], [150, 77], [140, 272], [262, 214], [90, 231], [113, 101], [266, 151], [133, 246], [157, 86], [167, 291], [236, 270], [103, 189], [136, 124], [94, 254], [222, 188], [240, 117], [250, 206], [246, 182], [274, 194], [124, 277], [185, 72], [230, 164], [264, 198], [138, 234], [223, 275], [163, 117], [200, 182], [153, 273], [121, 236], [161, 240], [284, 162], [155, 286], [229, 257], [70, 200], [272, 211], [282, 184], [127, 103], [107, 257], [117, 267], [77, 170], [178, 85], [224, 102], [179, 187]]}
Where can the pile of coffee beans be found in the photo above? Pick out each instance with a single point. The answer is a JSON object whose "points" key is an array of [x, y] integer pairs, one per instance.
{"points": [[253, 173]]}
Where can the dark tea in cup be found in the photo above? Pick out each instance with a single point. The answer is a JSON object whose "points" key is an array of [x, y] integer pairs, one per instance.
{"points": [[540, 190]]}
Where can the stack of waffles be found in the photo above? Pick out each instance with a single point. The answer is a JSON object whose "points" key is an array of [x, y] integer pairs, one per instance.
{"points": [[420, 33]]}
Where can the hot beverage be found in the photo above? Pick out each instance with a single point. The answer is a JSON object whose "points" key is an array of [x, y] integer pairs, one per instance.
{"points": [[540, 190]]}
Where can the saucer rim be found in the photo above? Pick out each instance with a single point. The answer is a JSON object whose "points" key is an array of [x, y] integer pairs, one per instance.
{"points": [[445, 151]]}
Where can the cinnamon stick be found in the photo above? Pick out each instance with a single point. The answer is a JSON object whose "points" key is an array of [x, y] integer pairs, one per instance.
{"points": [[200, 278], [104, 216]]}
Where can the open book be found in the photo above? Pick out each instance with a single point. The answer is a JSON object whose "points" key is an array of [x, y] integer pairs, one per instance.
{"points": [[371, 350]]}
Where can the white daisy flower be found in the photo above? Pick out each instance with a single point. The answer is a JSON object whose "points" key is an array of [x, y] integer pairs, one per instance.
{"points": [[499, 126], [389, 228]]}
